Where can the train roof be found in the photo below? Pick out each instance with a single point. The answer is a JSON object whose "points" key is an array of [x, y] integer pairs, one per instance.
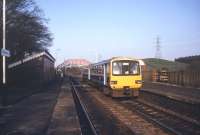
{"points": [[118, 58]]}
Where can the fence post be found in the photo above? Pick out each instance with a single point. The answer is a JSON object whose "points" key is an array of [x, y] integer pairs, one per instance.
{"points": [[198, 80], [182, 78]]}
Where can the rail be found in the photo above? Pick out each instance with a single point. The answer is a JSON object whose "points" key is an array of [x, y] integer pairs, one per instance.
{"points": [[163, 119], [81, 107]]}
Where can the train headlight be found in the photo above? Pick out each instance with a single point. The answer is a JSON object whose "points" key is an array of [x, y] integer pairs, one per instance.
{"points": [[113, 82], [138, 81]]}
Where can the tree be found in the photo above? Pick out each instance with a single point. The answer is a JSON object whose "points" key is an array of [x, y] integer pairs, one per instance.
{"points": [[26, 28]]}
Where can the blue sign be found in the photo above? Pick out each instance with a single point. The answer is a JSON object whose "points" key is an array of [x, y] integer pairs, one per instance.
{"points": [[5, 52]]}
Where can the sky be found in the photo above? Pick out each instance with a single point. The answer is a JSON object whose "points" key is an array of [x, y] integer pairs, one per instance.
{"points": [[103, 29]]}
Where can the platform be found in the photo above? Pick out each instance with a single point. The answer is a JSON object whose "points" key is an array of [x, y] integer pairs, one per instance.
{"points": [[51, 111], [64, 119], [180, 93]]}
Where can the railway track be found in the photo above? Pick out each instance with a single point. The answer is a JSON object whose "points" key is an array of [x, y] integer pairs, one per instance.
{"points": [[87, 127], [135, 123], [173, 124], [184, 110], [144, 117], [102, 122]]}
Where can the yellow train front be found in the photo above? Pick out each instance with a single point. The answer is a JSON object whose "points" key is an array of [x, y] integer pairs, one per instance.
{"points": [[118, 76]]}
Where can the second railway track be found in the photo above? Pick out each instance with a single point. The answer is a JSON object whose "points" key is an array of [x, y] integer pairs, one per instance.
{"points": [[167, 121]]}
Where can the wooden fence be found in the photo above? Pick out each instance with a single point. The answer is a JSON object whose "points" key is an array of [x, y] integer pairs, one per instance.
{"points": [[185, 78], [147, 76]]}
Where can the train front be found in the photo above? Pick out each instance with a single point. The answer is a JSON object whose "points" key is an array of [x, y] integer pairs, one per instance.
{"points": [[126, 78]]}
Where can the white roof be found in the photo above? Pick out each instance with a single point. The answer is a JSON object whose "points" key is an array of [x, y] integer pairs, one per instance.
{"points": [[141, 62], [34, 56]]}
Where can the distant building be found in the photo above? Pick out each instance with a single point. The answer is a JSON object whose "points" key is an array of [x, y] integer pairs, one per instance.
{"points": [[74, 63], [73, 67], [189, 59], [193, 61]]}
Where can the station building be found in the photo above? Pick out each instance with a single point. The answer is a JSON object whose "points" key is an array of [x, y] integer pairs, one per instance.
{"points": [[37, 68]]}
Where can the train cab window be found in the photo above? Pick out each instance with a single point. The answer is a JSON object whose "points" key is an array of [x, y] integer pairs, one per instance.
{"points": [[134, 68], [126, 68], [117, 67]]}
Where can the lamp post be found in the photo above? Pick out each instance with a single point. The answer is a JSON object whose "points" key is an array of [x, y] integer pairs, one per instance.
{"points": [[4, 41]]}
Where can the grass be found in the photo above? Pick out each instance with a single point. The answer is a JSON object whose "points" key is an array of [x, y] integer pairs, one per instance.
{"points": [[153, 63]]}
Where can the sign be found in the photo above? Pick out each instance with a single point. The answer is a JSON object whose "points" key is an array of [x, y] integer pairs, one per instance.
{"points": [[5, 52]]}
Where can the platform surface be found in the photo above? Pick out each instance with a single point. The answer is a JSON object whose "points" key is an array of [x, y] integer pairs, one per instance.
{"points": [[49, 112], [64, 119], [190, 95]]}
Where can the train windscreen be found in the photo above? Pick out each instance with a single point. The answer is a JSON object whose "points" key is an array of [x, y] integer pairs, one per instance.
{"points": [[125, 68]]}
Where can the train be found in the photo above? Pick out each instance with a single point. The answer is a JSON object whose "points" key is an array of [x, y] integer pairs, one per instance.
{"points": [[117, 76]]}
